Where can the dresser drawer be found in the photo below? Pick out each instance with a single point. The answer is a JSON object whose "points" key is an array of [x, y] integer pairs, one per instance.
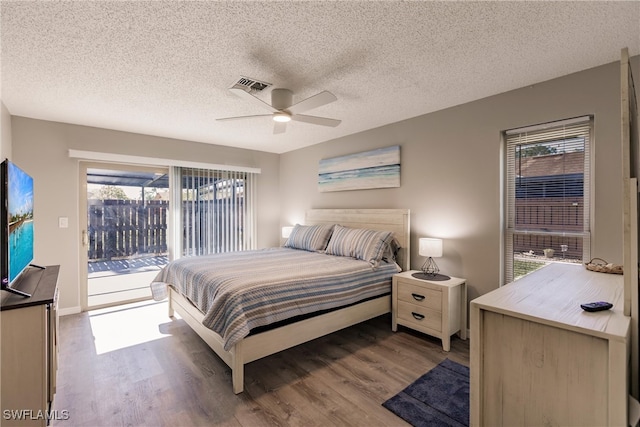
{"points": [[419, 295], [419, 317]]}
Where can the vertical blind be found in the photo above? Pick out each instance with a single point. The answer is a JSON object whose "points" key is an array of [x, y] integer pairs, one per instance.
{"points": [[217, 210], [548, 198]]}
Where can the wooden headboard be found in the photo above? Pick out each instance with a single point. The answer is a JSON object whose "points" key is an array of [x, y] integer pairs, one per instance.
{"points": [[395, 220]]}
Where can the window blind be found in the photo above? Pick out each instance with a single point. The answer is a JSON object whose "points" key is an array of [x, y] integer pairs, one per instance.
{"points": [[217, 210], [547, 195]]}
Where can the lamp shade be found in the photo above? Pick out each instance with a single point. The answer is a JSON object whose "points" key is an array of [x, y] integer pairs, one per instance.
{"points": [[286, 232], [430, 247]]}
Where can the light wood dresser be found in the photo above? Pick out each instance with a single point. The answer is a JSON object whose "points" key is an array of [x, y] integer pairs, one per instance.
{"points": [[29, 349], [537, 358]]}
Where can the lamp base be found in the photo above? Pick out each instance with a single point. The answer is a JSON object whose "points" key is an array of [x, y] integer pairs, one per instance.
{"points": [[435, 277]]}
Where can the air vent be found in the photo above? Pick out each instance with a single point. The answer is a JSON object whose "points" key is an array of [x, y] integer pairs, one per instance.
{"points": [[251, 85]]}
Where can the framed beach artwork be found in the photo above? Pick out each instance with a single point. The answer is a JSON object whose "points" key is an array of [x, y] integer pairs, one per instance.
{"points": [[369, 169]]}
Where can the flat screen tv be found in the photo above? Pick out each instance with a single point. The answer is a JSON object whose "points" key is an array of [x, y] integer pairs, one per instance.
{"points": [[16, 223]]}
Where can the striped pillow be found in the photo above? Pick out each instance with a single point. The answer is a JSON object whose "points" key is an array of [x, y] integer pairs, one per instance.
{"points": [[359, 243], [390, 253], [309, 237]]}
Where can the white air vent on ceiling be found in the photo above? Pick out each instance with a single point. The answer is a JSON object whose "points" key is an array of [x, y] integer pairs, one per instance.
{"points": [[251, 85]]}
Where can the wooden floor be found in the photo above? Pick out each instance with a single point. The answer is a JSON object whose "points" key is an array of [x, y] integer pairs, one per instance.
{"points": [[134, 366]]}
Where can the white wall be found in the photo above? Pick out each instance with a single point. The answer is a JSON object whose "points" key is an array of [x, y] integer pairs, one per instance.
{"points": [[5, 132], [41, 149], [451, 171]]}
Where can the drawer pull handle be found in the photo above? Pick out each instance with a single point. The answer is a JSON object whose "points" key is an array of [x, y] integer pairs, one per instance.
{"points": [[417, 316], [417, 297]]}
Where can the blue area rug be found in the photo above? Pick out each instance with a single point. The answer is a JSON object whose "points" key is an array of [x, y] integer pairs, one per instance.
{"points": [[438, 398]]}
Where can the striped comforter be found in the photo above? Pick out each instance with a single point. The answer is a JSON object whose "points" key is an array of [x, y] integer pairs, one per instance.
{"points": [[239, 291]]}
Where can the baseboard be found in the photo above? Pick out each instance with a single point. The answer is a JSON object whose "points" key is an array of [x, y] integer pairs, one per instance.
{"points": [[69, 310]]}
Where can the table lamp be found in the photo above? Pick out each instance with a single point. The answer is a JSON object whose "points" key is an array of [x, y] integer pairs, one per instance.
{"points": [[286, 232], [430, 248]]}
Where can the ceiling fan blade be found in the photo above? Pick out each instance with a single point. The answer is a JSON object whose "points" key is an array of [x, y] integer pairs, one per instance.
{"points": [[315, 101], [243, 117], [279, 127], [246, 95], [323, 121]]}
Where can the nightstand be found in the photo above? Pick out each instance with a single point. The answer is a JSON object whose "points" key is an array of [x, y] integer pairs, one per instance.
{"points": [[436, 308]]}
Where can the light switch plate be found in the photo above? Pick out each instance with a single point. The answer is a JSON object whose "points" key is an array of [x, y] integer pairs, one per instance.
{"points": [[63, 222]]}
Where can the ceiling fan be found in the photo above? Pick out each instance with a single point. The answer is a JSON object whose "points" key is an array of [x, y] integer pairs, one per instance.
{"points": [[283, 110]]}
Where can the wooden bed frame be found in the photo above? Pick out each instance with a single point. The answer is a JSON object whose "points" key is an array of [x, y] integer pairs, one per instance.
{"points": [[272, 341]]}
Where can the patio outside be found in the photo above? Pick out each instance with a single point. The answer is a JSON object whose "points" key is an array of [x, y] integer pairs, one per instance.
{"points": [[126, 234]]}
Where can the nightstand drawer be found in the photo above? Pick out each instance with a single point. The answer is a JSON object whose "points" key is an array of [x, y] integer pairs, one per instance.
{"points": [[419, 295], [419, 317]]}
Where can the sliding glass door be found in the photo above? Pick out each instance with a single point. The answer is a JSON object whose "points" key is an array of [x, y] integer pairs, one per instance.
{"points": [[127, 216], [125, 234], [216, 211]]}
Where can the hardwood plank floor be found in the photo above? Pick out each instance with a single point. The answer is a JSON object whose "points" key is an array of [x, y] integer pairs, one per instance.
{"points": [[134, 366]]}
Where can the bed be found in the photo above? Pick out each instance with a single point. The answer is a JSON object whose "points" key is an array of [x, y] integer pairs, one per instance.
{"points": [[307, 298]]}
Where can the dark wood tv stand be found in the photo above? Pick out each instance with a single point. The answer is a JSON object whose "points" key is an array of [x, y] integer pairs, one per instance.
{"points": [[29, 348]]}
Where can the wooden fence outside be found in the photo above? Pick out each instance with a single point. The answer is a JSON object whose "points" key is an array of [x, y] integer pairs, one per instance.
{"points": [[124, 228], [120, 229], [549, 214]]}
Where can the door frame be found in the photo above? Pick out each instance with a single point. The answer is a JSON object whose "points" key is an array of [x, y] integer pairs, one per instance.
{"points": [[83, 217]]}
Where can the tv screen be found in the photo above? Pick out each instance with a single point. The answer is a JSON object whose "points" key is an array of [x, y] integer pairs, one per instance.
{"points": [[17, 222]]}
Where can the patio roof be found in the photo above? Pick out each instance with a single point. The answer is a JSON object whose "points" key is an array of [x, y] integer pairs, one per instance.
{"points": [[145, 179], [127, 178]]}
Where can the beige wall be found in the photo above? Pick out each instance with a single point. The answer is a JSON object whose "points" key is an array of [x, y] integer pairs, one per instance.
{"points": [[5, 132], [451, 171], [41, 149], [451, 174]]}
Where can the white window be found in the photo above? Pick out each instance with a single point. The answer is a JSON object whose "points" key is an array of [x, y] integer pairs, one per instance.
{"points": [[547, 195]]}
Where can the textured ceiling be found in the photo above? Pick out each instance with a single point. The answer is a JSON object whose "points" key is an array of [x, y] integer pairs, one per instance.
{"points": [[164, 67]]}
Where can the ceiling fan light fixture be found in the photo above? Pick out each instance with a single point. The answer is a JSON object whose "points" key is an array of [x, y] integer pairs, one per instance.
{"points": [[282, 109], [281, 117]]}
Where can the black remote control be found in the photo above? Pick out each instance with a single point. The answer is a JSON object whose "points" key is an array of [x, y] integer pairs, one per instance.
{"points": [[596, 306]]}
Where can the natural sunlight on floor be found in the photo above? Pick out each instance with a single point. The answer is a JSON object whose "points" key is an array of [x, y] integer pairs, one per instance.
{"points": [[111, 287], [127, 325]]}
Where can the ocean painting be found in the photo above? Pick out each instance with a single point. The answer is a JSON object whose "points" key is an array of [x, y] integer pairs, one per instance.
{"points": [[369, 169]]}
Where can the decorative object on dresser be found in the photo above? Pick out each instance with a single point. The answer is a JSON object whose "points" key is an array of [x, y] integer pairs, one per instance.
{"points": [[437, 308], [601, 266], [29, 351], [430, 247]]}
